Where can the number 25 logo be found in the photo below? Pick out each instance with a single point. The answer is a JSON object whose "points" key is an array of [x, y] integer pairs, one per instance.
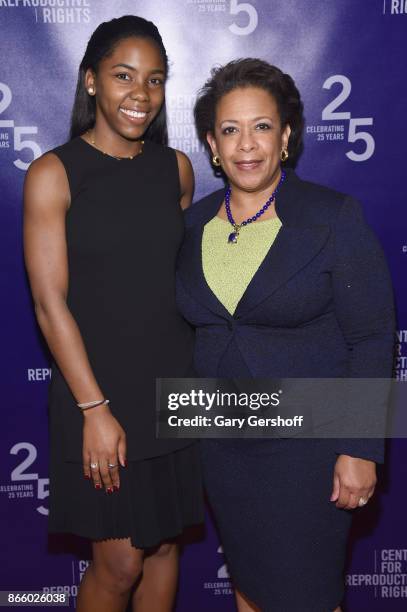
{"points": [[19, 474], [19, 131], [330, 113], [243, 7]]}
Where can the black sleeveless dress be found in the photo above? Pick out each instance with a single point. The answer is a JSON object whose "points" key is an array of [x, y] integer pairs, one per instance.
{"points": [[123, 231]]}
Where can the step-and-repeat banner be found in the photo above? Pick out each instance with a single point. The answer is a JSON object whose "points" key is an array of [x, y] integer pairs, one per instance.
{"points": [[348, 59]]}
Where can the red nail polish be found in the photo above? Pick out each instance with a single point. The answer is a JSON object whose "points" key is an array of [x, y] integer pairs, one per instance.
{"points": [[125, 463], [87, 476], [98, 486], [115, 488], [109, 490]]}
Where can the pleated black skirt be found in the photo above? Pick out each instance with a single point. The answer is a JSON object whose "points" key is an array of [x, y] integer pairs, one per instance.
{"points": [[158, 498]]}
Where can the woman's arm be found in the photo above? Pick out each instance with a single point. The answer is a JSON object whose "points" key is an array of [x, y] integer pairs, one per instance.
{"points": [[363, 294], [46, 201], [186, 178], [364, 306]]}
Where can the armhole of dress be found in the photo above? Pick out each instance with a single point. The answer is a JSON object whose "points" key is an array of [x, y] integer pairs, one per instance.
{"points": [[68, 177], [178, 179]]}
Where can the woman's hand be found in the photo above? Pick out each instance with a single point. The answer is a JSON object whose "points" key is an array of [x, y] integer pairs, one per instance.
{"points": [[354, 479], [104, 443]]}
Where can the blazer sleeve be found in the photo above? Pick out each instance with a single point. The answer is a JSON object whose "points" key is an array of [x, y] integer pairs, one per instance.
{"points": [[364, 307]]}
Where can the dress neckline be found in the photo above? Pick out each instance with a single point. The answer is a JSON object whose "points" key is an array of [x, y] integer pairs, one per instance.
{"points": [[107, 156]]}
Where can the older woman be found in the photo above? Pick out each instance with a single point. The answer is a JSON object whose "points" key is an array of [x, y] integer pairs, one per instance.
{"points": [[281, 278]]}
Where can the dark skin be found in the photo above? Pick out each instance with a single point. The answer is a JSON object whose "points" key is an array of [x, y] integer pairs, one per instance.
{"points": [[126, 81], [129, 89], [248, 138]]}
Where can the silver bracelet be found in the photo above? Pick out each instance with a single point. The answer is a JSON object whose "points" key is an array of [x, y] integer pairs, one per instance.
{"points": [[93, 404]]}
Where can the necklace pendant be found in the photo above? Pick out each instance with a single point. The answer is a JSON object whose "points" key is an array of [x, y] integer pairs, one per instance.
{"points": [[232, 239]]}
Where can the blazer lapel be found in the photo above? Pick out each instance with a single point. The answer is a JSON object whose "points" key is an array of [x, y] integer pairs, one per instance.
{"points": [[293, 249], [295, 246], [190, 264]]}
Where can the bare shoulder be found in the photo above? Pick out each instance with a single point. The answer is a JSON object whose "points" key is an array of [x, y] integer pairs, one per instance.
{"points": [[186, 177], [183, 160], [46, 182], [47, 168]]}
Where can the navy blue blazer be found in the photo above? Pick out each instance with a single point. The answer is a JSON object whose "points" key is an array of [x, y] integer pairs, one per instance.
{"points": [[320, 305]]}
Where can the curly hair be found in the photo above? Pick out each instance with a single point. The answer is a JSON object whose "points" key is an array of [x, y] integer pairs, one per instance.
{"points": [[252, 72]]}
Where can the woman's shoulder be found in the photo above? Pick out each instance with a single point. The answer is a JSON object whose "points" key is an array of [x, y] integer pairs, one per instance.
{"points": [[159, 149], [69, 148], [47, 167], [61, 166], [166, 151], [320, 202], [205, 208], [46, 185], [317, 192], [165, 156]]}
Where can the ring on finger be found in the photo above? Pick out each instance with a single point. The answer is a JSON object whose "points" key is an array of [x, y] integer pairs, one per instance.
{"points": [[362, 501], [112, 465], [94, 466]]}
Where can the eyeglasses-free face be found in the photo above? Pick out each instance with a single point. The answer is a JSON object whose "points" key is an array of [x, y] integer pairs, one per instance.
{"points": [[129, 88], [248, 138]]}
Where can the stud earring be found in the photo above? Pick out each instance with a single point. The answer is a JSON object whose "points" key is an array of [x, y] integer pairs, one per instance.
{"points": [[91, 91], [216, 160]]}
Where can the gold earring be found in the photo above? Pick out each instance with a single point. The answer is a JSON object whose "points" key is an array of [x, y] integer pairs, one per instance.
{"points": [[91, 91], [216, 160], [284, 155]]}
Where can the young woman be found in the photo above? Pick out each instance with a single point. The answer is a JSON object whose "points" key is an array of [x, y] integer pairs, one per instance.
{"points": [[103, 224], [281, 278]]}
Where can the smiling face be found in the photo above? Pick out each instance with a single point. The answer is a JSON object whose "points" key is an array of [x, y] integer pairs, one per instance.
{"points": [[249, 138], [129, 88]]}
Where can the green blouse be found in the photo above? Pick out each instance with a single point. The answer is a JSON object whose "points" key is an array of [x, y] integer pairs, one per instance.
{"points": [[229, 268]]}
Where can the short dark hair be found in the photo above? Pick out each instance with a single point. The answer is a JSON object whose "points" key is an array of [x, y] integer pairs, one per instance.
{"points": [[252, 72], [102, 44]]}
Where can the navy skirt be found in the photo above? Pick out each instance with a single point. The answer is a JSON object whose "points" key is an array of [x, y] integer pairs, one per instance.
{"points": [[284, 541]]}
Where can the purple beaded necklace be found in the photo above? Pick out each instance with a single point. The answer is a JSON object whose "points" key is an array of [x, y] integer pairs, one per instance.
{"points": [[232, 239]]}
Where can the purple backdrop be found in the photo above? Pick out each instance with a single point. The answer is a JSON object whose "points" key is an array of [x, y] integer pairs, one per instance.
{"points": [[348, 60]]}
